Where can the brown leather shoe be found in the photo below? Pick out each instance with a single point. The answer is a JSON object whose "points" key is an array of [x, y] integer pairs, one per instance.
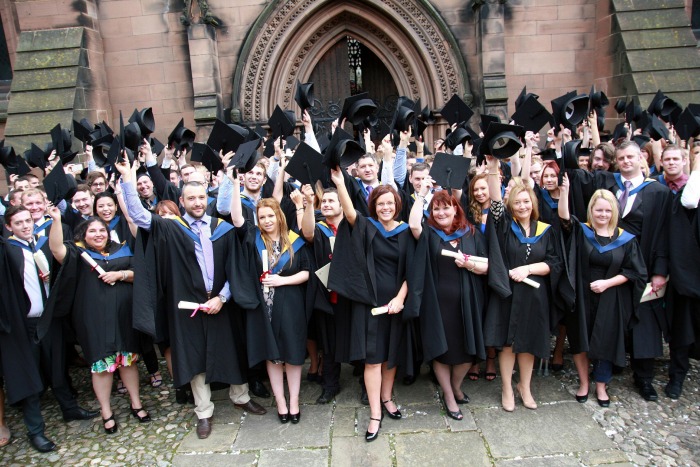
{"points": [[252, 407], [204, 428]]}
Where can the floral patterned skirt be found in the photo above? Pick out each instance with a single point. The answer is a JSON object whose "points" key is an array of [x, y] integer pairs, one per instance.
{"points": [[113, 362]]}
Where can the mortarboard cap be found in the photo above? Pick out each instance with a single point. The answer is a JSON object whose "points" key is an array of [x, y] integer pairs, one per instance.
{"points": [[57, 185], [13, 163], [114, 153], [662, 106], [269, 150], [597, 100], [688, 125], [487, 120], [531, 114], [323, 141], [620, 105], [99, 146], [207, 157], [82, 130], [620, 131], [657, 129], [304, 95], [181, 137], [501, 140], [549, 154], [569, 110], [456, 111], [449, 171], [156, 146], [61, 141], [37, 157], [144, 119], [246, 156], [342, 150], [641, 140], [280, 123], [523, 96], [132, 137], [291, 143], [306, 165], [225, 138], [569, 154], [260, 131], [457, 138]]}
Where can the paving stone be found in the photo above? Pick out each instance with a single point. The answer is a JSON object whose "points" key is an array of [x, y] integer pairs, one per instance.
{"points": [[299, 457], [213, 460], [602, 457], [356, 452], [551, 429], [443, 449], [423, 391], [225, 413], [344, 421], [220, 440], [558, 461], [466, 424], [415, 418], [267, 432]]}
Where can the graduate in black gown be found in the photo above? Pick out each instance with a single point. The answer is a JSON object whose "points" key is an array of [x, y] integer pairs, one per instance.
{"points": [[101, 309], [520, 324], [276, 330], [370, 266], [609, 276], [454, 295]]}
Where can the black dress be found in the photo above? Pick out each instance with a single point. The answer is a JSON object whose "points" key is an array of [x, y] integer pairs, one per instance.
{"points": [[449, 298], [523, 320]]}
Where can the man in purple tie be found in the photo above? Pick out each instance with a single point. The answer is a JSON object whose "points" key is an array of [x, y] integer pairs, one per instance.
{"points": [[203, 344]]}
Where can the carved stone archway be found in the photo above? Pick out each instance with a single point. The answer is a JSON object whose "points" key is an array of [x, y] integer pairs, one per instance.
{"points": [[291, 36]]}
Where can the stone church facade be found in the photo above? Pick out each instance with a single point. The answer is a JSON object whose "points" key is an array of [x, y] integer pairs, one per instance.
{"points": [[237, 59]]}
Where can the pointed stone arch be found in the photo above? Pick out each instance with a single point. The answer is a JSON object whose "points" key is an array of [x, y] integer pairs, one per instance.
{"points": [[290, 37]]}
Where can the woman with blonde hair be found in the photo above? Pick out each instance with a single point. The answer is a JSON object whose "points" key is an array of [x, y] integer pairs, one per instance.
{"points": [[610, 277], [276, 331]]}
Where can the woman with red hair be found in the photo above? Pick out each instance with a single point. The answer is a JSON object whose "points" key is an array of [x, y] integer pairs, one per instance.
{"points": [[454, 289]]}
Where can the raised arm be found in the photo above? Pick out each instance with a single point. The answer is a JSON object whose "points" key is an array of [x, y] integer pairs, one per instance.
{"points": [[58, 249], [236, 208], [133, 228], [278, 191], [527, 158], [563, 206], [139, 215], [308, 222], [494, 178], [415, 217], [344, 196]]}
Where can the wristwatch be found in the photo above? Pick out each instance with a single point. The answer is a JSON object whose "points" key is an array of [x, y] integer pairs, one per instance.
{"points": [[222, 298]]}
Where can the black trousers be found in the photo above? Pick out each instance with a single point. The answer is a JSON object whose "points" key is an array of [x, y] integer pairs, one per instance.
{"points": [[643, 368], [31, 406], [680, 362]]}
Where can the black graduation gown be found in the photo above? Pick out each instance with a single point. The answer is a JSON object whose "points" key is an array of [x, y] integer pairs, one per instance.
{"points": [[523, 320], [470, 305], [682, 293], [283, 337], [648, 222], [101, 314], [355, 274], [331, 317], [167, 272], [23, 376], [599, 322]]}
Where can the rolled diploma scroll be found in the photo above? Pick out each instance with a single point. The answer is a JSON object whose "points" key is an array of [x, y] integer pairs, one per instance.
{"points": [[41, 263], [93, 264], [475, 259], [380, 310], [266, 267], [479, 259]]}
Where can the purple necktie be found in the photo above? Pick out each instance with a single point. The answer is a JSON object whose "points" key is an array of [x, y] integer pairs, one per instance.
{"points": [[625, 196], [369, 192], [208, 252]]}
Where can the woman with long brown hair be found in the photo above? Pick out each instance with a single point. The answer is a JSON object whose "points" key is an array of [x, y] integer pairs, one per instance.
{"points": [[276, 331]]}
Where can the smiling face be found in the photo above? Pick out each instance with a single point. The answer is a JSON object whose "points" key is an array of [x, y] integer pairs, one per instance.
{"points": [[106, 209], [22, 226], [444, 215], [330, 206], [386, 208], [601, 213], [417, 177], [82, 200], [549, 179], [367, 170], [36, 203], [522, 206], [144, 186], [267, 221], [254, 180], [599, 162], [194, 200], [96, 236], [629, 161], [481, 191]]}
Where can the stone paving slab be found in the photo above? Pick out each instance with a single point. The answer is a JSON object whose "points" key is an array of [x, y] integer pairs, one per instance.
{"points": [[558, 461], [220, 440], [607, 456], [356, 452], [441, 449], [551, 429], [415, 418], [214, 460], [466, 424], [344, 419], [266, 432], [296, 457]]}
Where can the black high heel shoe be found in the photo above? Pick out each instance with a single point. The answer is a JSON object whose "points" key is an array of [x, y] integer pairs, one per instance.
{"points": [[113, 429], [135, 412], [284, 417], [294, 417], [453, 415], [395, 415], [582, 399], [369, 437]]}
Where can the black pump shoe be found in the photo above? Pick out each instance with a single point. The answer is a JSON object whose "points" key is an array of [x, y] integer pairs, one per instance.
{"points": [[284, 417], [113, 429], [395, 415], [294, 417], [369, 437]]}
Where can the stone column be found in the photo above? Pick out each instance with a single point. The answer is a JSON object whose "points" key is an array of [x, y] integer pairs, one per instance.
{"points": [[206, 78], [493, 59]]}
